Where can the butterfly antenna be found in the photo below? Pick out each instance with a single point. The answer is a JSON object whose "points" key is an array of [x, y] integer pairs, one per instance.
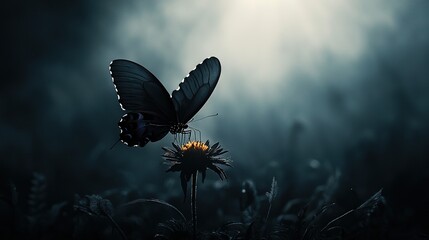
{"points": [[114, 144], [213, 115]]}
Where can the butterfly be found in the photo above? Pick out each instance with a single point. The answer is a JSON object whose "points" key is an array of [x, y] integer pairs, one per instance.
{"points": [[151, 111]]}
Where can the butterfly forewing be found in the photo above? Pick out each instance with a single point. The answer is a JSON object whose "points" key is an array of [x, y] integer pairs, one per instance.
{"points": [[195, 89], [139, 90]]}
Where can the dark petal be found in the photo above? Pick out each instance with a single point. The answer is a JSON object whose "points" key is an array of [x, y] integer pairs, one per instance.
{"points": [[177, 148], [227, 164], [222, 171], [220, 161], [207, 143], [169, 155], [184, 183], [168, 150], [203, 174], [224, 163], [218, 151], [215, 146], [215, 151], [210, 152], [174, 160], [217, 170], [175, 168]]}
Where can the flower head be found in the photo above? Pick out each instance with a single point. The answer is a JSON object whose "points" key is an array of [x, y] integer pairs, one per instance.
{"points": [[194, 157]]}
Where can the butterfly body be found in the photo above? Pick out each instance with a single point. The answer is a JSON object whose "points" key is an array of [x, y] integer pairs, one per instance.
{"points": [[178, 128], [152, 112]]}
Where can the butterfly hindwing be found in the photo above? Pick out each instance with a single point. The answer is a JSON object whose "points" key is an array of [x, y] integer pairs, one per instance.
{"points": [[137, 129], [195, 89]]}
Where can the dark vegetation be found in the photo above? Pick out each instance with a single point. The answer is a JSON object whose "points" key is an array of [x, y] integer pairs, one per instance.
{"points": [[95, 217], [124, 214]]}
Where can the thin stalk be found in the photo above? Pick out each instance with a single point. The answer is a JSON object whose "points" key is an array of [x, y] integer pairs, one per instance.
{"points": [[336, 219], [155, 201], [117, 227], [268, 213], [194, 204]]}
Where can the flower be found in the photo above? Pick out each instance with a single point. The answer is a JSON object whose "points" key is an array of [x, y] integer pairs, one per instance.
{"points": [[194, 157]]}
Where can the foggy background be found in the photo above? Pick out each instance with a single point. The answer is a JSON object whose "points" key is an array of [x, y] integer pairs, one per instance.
{"points": [[307, 88]]}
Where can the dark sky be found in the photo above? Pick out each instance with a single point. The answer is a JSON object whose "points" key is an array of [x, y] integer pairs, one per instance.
{"points": [[306, 87]]}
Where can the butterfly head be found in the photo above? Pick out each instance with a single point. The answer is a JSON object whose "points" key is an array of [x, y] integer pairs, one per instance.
{"points": [[178, 128]]}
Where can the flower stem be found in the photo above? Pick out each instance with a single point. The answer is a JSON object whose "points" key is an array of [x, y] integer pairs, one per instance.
{"points": [[194, 204]]}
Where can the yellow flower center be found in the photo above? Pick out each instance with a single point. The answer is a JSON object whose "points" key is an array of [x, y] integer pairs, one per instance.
{"points": [[195, 145]]}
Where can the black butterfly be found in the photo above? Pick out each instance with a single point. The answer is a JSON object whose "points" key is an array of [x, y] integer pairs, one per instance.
{"points": [[152, 111]]}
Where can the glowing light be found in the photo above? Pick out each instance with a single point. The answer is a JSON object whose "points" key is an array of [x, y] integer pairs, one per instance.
{"points": [[259, 41]]}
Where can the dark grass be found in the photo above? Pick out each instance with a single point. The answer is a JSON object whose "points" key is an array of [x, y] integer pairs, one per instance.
{"points": [[320, 215]]}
